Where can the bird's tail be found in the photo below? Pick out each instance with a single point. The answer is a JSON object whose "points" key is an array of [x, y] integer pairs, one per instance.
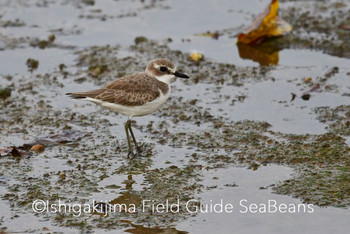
{"points": [[90, 94], [75, 95]]}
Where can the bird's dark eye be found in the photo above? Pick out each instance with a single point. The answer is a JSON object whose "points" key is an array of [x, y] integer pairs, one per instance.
{"points": [[163, 69]]}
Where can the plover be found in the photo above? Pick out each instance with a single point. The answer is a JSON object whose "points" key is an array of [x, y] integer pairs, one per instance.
{"points": [[135, 95]]}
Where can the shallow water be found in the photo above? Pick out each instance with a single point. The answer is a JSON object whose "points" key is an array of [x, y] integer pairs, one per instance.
{"points": [[248, 183], [78, 26]]}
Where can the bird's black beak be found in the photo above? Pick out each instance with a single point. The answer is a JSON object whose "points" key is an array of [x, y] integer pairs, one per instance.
{"points": [[181, 75]]}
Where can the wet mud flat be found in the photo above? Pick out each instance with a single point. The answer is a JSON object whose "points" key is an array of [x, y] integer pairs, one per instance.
{"points": [[213, 123]]}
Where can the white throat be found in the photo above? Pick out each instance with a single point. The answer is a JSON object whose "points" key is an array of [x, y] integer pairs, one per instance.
{"points": [[165, 78]]}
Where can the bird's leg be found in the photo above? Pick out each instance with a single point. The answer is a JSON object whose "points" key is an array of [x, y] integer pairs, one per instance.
{"points": [[138, 150], [126, 126]]}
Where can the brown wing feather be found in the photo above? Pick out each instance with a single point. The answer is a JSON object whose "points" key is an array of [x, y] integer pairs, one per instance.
{"points": [[130, 90]]}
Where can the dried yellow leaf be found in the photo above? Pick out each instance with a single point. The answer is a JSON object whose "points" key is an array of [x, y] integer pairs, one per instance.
{"points": [[307, 79], [267, 24], [196, 57]]}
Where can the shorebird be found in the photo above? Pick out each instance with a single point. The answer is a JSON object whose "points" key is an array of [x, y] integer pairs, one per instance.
{"points": [[135, 95]]}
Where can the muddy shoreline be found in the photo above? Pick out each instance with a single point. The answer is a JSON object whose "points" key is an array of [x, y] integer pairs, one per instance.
{"points": [[227, 116]]}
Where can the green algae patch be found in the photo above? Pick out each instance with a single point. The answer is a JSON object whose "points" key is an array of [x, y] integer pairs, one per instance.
{"points": [[323, 20], [325, 187], [320, 160], [337, 119], [32, 64], [42, 44], [140, 39], [5, 92]]}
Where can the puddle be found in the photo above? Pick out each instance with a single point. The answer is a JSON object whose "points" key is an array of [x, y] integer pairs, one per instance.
{"points": [[246, 193]]}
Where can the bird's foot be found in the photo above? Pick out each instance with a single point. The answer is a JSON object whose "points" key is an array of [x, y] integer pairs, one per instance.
{"points": [[139, 150], [138, 153], [131, 154]]}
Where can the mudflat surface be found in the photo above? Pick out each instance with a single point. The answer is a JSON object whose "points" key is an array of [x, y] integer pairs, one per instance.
{"points": [[229, 135]]}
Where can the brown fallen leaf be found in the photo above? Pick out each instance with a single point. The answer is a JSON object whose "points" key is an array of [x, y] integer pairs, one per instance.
{"points": [[38, 148], [267, 24], [5, 151], [315, 88], [15, 152], [306, 96], [10, 151], [293, 96], [69, 138]]}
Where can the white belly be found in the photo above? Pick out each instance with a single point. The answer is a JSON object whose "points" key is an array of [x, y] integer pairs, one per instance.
{"points": [[132, 111]]}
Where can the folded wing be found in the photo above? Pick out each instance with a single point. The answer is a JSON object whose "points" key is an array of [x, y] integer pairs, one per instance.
{"points": [[129, 91]]}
